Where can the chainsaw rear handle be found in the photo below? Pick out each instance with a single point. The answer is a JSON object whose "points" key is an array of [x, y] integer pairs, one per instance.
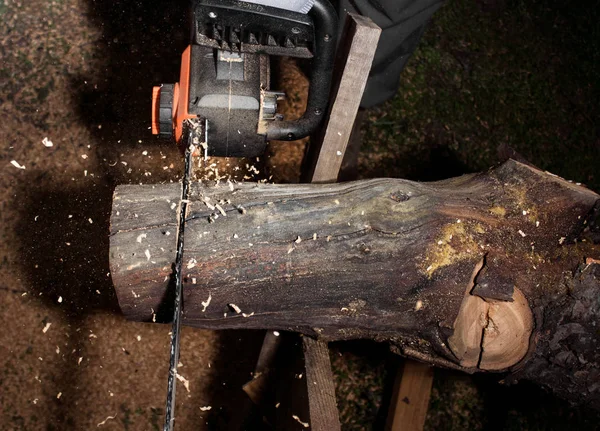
{"points": [[324, 17]]}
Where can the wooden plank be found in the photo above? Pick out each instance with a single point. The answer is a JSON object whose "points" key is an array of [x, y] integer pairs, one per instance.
{"points": [[355, 56], [410, 400], [358, 44], [354, 59], [321, 389]]}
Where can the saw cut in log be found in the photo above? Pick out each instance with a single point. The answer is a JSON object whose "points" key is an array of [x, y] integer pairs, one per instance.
{"points": [[491, 334], [460, 273]]}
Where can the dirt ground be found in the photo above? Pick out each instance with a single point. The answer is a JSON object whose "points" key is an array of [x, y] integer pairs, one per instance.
{"points": [[78, 73]]}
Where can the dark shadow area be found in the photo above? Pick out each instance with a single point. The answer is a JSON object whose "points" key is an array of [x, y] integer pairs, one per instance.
{"points": [[527, 406], [232, 367], [437, 162], [140, 47], [432, 160], [63, 233], [64, 241]]}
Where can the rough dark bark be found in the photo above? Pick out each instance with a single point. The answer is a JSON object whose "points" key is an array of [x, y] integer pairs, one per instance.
{"points": [[480, 272]]}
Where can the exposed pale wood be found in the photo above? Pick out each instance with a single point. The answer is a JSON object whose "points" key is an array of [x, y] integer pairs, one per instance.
{"points": [[392, 260], [354, 57], [321, 389], [412, 390]]}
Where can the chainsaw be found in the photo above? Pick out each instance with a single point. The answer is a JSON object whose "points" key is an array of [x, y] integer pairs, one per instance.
{"points": [[225, 74], [223, 101]]}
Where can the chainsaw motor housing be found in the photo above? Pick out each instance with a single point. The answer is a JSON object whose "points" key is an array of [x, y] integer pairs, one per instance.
{"points": [[225, 75]]}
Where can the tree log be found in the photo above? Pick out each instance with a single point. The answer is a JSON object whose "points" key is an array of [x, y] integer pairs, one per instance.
{"points": [[483, 272]]}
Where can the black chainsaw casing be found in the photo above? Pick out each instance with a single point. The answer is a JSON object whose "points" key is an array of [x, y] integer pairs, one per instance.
{"points": [[225, 91], [249, 28], [225, 78]]}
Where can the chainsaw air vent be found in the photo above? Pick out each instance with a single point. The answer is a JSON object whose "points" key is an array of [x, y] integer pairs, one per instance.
{"points": [[255, 29]]}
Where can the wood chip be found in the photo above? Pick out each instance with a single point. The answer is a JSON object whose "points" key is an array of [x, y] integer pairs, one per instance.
{"points": [[186, 382], [206, 200], [107, 418], [235, 308], [206, 303], [297, 419], [221, 210], [16, 164]]}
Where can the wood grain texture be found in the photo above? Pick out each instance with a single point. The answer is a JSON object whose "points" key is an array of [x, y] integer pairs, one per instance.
{"points": [[354, 59], [146, 223], [321, 389], [355, 56], [412, 390], [391, 259]]}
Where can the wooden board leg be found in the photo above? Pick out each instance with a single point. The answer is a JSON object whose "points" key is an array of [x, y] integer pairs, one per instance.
{"points": [[410, 400], [322, 405], [354, 58], [323, 163]]}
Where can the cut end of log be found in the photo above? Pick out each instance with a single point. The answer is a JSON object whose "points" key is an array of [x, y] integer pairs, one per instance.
{"points": [[489, 334], [507, 333]]}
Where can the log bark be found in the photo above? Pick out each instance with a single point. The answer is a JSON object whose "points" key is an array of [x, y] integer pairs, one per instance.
{"points": [[483, 272]]}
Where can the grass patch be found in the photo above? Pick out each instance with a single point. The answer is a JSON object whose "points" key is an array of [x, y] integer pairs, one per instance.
{"points": [[523, 74]]}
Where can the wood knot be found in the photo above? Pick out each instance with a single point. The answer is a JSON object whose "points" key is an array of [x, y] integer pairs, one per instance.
{"points": [[364, 248], [399, 196]]}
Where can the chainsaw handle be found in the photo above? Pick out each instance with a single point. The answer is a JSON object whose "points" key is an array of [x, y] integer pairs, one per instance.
{"points": [[324, 17]]}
